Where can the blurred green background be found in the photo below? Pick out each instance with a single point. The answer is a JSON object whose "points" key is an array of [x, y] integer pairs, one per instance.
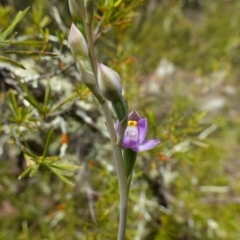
{"points": [[179, 64]]}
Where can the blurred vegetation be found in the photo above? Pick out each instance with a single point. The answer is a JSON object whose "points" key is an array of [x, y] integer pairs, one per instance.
{"points": [[179, 64]]}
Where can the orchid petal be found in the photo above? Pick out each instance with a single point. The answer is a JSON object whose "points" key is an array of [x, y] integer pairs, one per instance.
{"points": [[129, 143], [142, 129], [130, 139], [134, 116], [146, 145]]}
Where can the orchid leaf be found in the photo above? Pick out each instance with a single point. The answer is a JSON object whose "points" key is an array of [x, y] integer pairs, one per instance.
{"points": [[129, 159]]}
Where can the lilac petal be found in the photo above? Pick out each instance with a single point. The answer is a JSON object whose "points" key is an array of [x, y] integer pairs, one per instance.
{"points": [[146, 145], [142, 129], [134, 116], [130, 139], [129, 143]]}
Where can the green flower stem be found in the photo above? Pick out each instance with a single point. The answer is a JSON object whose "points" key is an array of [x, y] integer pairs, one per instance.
{"points": [[89, 35], [122, 180], [117, 151]]}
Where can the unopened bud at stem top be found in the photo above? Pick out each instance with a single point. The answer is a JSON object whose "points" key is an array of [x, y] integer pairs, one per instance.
{"points": [[74, 10], [109, 83], [77, 43], [89, 79]]}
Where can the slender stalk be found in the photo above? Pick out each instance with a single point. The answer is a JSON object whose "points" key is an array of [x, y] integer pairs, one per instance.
{"points": [[122, 180], [117, 151]]}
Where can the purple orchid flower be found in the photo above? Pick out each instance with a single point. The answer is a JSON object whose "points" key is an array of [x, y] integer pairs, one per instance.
{"points": [[135, 133]]}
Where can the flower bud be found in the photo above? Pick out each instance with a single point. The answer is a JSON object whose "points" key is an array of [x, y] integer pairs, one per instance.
{"points": [[109, 83], [74, 10], [89, 79], [77, 43]]}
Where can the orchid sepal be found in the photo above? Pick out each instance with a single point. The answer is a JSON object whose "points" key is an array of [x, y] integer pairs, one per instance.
{"points": [[146, 145]]}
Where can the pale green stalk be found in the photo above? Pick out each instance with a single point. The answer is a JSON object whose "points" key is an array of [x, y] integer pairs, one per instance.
{"points": [[117, 151]]}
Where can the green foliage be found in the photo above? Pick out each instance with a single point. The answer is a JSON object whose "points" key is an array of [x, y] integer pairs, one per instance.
{"points": [[5, 33]]}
